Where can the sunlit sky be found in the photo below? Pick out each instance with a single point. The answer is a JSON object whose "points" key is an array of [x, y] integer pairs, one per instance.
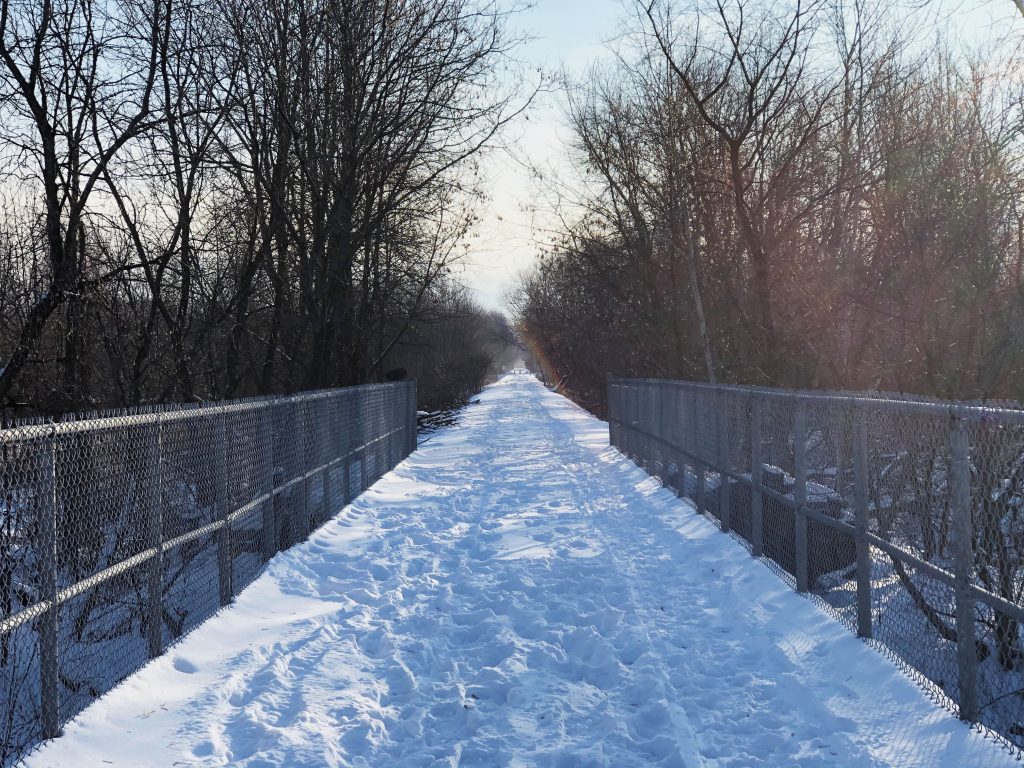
{"points": [[565, 34], [572, 35]]}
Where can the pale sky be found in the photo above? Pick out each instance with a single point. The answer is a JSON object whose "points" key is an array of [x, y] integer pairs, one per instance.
{"points": [[572, 35], [569, 34]]}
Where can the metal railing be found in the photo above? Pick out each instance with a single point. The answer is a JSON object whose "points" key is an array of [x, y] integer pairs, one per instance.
{"points": [[903, 517], [119, 534]]}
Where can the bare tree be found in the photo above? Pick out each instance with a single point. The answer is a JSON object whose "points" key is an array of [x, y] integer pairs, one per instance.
{"points": [[80, 77], [256, 196]]}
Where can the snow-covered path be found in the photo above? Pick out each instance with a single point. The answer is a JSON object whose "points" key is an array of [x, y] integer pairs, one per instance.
{"points": [[516, 593]]}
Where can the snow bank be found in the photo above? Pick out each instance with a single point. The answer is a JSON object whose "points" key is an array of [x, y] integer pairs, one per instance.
{"points": [[517, 593]]}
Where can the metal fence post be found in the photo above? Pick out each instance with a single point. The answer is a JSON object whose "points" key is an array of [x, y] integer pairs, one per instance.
{"points": [[394, 443], [662, 433], [617, 412], [629, 416], [860, 510], [327, 437], [963, 557], [679, 438], [650, 428], [756, 476], [800, 495], [698, 450], [610, 398], [346, 477], [155, 567], [650, 421], [669, 455], [284, 520], [685, 437], [361, 414], [670, 452], [49, 670], [270, 505], [635, 426], [224, 558], [639, 444], [724, 463], [412, 417], [301, 471], [384, 448]]}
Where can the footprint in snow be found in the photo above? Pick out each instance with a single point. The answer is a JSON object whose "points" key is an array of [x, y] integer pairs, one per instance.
{"points": [[185, 666]]}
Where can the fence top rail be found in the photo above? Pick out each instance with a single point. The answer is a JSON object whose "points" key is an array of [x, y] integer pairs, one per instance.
{"points": [[75, 423], [1006, 414]]}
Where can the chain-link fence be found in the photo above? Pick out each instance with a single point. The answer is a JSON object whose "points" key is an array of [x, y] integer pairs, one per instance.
{"points": [[904, 517], [120, 533]]}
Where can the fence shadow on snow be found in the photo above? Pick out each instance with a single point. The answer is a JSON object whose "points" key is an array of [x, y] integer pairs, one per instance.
{"points": [[903, 517], [120, 534]]}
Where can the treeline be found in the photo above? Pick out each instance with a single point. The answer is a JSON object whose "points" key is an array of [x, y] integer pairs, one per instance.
{"points": [[233, 197], [809, 194], [455, 348]]}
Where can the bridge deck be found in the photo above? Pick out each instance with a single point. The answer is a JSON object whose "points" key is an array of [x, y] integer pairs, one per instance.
{"points": [[516, 593]]}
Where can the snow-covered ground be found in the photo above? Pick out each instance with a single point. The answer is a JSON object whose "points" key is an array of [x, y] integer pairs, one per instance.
{"points": [[517, 593]]}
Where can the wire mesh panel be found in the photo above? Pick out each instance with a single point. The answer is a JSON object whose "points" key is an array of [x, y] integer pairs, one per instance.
{"points": [[100, 478], [831, 549], [119, 534], [23, 508], [245, 484], [997, 502], [188, 502], [902, 517], [912, 616], [778, 476]]}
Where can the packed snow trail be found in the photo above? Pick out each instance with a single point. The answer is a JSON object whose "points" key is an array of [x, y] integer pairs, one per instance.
{"points": [[517, 593]]}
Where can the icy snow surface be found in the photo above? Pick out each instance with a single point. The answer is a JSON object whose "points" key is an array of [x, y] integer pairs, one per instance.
{"points": [[517, 593]]}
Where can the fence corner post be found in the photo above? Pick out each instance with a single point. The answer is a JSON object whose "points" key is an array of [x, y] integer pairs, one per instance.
{"points": [[963, 557], [756, 477], [800, 496], [860, 512], [155, 568], [49, 669]]}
